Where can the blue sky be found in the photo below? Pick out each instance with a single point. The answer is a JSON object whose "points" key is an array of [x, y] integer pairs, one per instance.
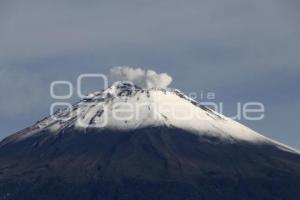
{"points": [[241, 50]]}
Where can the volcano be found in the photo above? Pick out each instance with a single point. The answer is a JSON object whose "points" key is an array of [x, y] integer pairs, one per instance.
{"points": [[126, 142]]}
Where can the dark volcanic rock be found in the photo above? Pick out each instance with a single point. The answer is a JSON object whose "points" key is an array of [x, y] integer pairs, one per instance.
{"points": [[150, 163]]}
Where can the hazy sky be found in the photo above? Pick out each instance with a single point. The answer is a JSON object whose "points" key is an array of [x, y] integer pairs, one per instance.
{"points": [[241, 50]]}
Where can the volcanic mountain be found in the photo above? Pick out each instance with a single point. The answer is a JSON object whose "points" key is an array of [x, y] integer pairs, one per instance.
{"points": [[126, 142]]}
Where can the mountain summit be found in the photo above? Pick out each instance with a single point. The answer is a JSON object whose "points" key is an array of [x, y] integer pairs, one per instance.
{"points": [[126, 142]]}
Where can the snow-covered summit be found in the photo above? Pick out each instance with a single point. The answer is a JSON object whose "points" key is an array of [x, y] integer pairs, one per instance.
{"points": [[125, 106]]}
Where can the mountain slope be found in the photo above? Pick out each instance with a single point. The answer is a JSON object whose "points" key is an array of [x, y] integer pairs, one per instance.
{"points": [[152, 156]]}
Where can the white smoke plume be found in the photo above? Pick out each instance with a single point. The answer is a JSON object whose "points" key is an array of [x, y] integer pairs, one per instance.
{"points": [[140, 77]]}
